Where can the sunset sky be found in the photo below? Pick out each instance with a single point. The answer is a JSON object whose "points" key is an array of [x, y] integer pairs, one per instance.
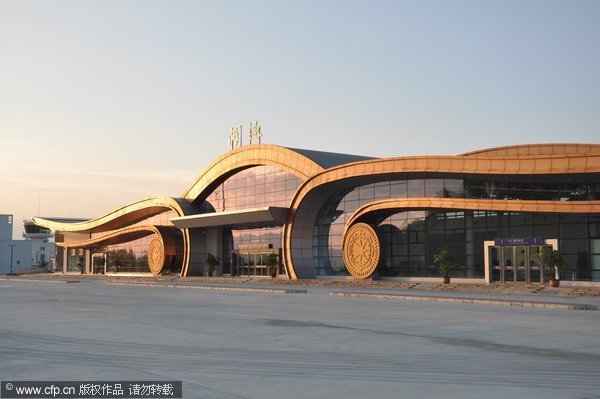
{"points": [[107, 102]]}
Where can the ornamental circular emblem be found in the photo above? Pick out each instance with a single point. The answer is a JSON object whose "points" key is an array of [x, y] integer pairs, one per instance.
{"points": [[362, 250], [156, 256]]}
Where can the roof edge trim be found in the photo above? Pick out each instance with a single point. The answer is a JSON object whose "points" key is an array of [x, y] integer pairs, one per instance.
{"points": [[535, 149], [122, 212], [249, 156]]}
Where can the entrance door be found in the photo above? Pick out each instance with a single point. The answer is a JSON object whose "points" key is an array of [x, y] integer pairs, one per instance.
{"points": [[496, 263], [250, 263], [521, 264], [99, 263], [515, 263], [509, 263], [535, 269]]}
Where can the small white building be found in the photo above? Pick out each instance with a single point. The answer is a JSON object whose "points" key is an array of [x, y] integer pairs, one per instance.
{"points": [[35, 252]]}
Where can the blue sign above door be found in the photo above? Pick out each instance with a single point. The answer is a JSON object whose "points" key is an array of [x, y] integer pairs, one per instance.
{"points": [[502, 242]]}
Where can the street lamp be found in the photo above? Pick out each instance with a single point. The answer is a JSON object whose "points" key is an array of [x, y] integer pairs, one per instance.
{"points": [[12, 246]]}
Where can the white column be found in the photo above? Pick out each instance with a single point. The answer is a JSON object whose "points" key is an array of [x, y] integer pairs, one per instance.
{"points": [[486, 260]]}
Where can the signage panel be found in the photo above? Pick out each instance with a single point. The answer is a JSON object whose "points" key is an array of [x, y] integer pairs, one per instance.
{"points": [[518, 241]]}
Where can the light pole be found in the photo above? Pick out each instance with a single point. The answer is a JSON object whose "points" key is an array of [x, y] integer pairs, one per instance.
{"points": [[12, 246]]}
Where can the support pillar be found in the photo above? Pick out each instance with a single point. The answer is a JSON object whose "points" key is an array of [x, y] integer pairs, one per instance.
{"points": [[469, 244]]}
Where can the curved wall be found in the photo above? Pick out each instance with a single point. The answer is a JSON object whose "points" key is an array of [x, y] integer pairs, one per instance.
{"points": [[116, 228], [299, 251]]}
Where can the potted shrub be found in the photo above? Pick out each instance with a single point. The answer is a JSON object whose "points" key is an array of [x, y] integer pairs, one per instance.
{"points": [[272, 263], [446, 261], [553, 264], [211, 262]]}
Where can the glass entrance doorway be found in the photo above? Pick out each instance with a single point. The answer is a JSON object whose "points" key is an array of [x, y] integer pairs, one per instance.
{"points": [[99, 263], [515, 263], [251, 263]]}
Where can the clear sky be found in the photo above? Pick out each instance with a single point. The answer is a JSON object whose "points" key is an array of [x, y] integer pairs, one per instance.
{"points": [[106, 102]]}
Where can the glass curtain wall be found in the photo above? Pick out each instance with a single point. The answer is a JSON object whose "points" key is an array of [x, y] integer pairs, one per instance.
{"points": [[129, 257], [255, 187]]}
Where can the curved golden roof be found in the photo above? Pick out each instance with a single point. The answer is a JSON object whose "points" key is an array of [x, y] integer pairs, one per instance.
{"points": [[248, 156], [535, 149], [114, 237], [510, 165], [125, 215], [396, 204]]}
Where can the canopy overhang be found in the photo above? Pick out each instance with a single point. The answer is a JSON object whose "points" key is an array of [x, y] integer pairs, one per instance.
{"points": [[245, 218]]}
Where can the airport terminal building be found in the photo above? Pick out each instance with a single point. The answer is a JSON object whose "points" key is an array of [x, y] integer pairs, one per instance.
{"points": [[328, 214]]}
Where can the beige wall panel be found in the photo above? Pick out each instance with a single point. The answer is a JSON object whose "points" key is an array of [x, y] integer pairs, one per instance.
{"points": [[559, 164], [578, 163], [592, 163]]}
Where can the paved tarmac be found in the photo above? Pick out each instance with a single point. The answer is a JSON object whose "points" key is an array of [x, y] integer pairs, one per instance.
{"points": [[260, 344]]}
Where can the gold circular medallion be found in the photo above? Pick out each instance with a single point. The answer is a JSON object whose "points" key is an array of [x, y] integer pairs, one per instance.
{"points": [[362, 250], [156, 256]]}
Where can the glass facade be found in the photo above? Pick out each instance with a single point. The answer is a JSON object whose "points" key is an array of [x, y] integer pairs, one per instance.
{"points": [[75, 260], [128, 257], [255, 187], [544, 188], [252, 263], [411, 238], [247, 240]]}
